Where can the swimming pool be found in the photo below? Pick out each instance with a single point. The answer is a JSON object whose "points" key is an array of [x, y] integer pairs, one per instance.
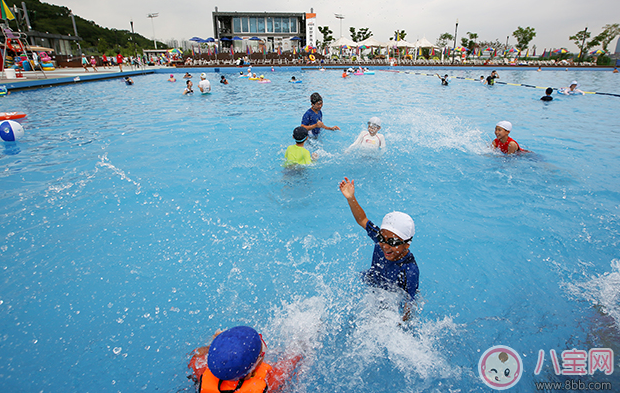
{"points": [[136, 221]]}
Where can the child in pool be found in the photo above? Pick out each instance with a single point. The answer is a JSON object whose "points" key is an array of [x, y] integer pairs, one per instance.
{"points": [[502, 141], [188, 87], [234, 361], [370, 138], [297, 154]]}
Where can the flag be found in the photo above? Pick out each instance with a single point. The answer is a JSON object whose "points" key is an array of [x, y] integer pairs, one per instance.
{"points": [[215, 50], [247, 50], [279, 50], [6, 12], [527, 53], [534, 52], [232, 50]]}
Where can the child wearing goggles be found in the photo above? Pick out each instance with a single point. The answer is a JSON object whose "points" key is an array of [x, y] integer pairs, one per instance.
{"points": [[393, 265]]}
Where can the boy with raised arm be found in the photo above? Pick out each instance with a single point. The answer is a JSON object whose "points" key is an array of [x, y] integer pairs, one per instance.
{"points": [[393, 265]]}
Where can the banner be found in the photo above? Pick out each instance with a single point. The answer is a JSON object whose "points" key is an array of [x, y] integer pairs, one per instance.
{"points": [[310, 29]]}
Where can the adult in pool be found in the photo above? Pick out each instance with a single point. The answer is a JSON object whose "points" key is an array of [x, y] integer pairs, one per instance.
{"points": [[223, 80], [312, 120], [234, 362], [547, 96], [444, 79], [491, 78], [393, 265], [204, 85], [571, 90], [503, 142]]}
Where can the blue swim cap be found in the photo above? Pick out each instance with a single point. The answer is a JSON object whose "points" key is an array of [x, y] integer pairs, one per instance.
{"points": [[233, 353]]}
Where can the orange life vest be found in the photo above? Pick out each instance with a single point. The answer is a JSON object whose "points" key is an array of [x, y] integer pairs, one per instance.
{"points": [[256, 384]]}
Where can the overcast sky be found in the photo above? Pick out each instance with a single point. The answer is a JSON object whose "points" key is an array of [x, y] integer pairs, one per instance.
{"points": [[554, 20]]}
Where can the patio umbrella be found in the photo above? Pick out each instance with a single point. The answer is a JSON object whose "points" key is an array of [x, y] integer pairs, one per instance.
{"points": [[598, 52], [309, 48], [560, 51], [174, 51], [196, 39], [225, 39], [460, 49], [512, 50], [295, 39], [210, 39], [254, 39], [235, 38]]}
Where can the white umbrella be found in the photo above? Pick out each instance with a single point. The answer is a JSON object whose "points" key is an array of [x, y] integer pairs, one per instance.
{"points": [[342, 41], [371, 42], [401, 44], [424, 43]]}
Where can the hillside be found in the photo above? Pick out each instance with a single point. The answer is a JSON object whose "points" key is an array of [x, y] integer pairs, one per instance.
{"points": [[53, 19]]}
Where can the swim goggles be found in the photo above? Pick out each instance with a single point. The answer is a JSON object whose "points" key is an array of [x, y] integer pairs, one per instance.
{"points": [[392, 241]]}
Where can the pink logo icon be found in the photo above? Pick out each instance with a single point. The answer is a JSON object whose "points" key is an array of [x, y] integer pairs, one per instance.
{"points": [[500, 367]]}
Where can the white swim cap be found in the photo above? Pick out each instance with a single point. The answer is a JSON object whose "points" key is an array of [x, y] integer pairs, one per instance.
{"points": [[203, 75], [506, 125], [375, 120], [574, 83], [401, 224]]}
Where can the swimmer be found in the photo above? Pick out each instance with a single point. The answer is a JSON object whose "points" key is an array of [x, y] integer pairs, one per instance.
{"points": [[172, 78], [345, 74], [234, 361], [188, 88], [393, 265], [444, 80], [204, 85], [187, 75], [223, 80], [128, 81], [491, 78], [312, 120], [293, 79], [539, 69], [241, 73], [370, 138], [502, 141], [272, 69], [297, 154], [482, 80], [615, 71], [571, 90], [547, 96]]}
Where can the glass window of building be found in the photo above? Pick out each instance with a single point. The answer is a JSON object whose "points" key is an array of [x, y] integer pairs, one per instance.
{"points": [[285, 25], [252, 25], [237, 25], [260, 25], [277, 25], [269, 25], [245, 25], [293, 25]]}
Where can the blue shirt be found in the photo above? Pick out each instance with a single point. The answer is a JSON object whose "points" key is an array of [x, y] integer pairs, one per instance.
{"points": [[311, 118], [386, 274]]}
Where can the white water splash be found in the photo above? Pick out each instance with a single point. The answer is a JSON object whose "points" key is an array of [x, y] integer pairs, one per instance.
{"points": [[105, 163]]}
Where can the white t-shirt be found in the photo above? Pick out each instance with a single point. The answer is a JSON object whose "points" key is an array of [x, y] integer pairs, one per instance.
{"points": [[366, 140], [204, 86]]}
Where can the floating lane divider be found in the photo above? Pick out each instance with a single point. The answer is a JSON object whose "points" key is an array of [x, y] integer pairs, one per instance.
{"points": [[503, 83]]}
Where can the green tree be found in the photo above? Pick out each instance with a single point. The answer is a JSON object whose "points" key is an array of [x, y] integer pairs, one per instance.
{"points": [[327, 36], [444, 40], [360, 35], [581, 39], [610, 31], [399, 34], [524, 36]]}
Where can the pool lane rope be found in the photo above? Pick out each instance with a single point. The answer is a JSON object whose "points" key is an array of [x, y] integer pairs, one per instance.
{"points": [[507, 83]]}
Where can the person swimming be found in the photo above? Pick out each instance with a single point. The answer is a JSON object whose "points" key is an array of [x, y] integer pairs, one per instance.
{"points": [[571, 90]]}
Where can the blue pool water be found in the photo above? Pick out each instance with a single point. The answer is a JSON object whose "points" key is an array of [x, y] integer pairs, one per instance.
{"points": [[137, 221]]}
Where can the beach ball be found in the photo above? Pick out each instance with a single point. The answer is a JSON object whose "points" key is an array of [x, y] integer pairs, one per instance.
{"points": [[11, 130]]}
